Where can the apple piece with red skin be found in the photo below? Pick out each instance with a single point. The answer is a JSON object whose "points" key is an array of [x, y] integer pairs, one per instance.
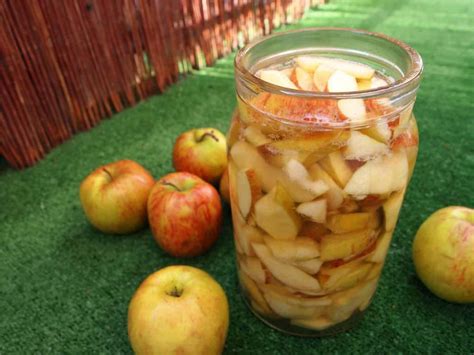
{"points": [[114, 197], [443, 254], [224, 186], [202, 152], [178, 309], [185, 214]]}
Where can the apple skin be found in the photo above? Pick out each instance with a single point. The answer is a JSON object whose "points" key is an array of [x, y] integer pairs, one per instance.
{"points": [[178, 310], [202, 152], [185, 214], [114, 197], [224, 186], [443, 253]]}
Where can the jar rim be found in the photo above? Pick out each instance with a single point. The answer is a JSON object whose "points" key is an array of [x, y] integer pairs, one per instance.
{"points": [[413, 74]]}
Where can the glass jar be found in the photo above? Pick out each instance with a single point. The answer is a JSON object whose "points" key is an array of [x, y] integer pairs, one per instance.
{"points": [[315, 186]]}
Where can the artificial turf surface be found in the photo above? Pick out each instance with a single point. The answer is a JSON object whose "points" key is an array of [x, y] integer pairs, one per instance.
{"points": [[65, 287]]}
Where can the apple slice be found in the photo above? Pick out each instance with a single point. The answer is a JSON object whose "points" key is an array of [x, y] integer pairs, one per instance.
{"points": [[375, 271], [245, 235], [308, 63], [295, 250], [288, 72], [357, 70], [316, 323], [344, 276], [381, 248], [254, 293], [298, 173], [313, 230], [287, 274], [362, 147], [340, 246], [380, 132], [293, 298], [248, 190], [275, 214], [253, 268], [364, 84], [278, 78], [314, 210], [246, 156], [353, 109], [340, 81], [310, 266], [254, 136], [279, 158], [322, 75], [380, 176], [349, 222], [391, 209], [335, 195], [335, 165], [304, 80], [346, 302]]}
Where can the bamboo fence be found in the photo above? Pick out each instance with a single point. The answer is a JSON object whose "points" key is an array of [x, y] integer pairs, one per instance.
{"points": [[67, 64]]}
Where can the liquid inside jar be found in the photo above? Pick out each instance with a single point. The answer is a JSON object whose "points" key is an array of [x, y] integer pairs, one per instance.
{"points": [[316, 186]]}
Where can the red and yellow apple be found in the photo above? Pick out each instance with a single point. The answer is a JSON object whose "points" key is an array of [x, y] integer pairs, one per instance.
{"points": [[114, 197], [178, 310], [185, 214], [443, 253], [202, 152]]}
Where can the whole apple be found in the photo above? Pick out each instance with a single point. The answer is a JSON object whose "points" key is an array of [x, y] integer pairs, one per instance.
{"points": [[114, 197], [185, 214], [178, 310], [443, 253], [202, 152]]}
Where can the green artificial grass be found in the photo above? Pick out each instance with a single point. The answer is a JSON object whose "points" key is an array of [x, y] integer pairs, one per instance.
{"points": [[65, 287]]}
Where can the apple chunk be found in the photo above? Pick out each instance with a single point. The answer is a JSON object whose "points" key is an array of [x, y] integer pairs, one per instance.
{"points": [[288, 251], [379, 176], [246, 156], [245, 235], [307, 63], [362, 147], [311, 266], [335, 165], [349, 222], [335, 195], [344, 276], [253, 268], [381, 248], [357, 70], [353, 109], [278, 78], [287, 274], [391, 209], [254, 293], [298, 173], [314, 210], [248, 190], [275, 214], [254, 136], [322, 75], [304, 79], [340, 246], [380, 132], [346, 302]]}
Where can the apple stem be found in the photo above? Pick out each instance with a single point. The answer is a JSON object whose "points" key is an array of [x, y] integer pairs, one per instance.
{"points": [[175, 292], [208, 134], [108, 173], [172, 185]]}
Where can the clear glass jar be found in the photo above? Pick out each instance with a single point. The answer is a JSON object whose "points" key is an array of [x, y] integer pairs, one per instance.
{"points": [[315, 186]]}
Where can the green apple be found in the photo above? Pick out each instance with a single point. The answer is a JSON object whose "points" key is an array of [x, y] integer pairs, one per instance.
{"points": [[114, 197], [178, 310], [202, 152], [443, 253]]}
